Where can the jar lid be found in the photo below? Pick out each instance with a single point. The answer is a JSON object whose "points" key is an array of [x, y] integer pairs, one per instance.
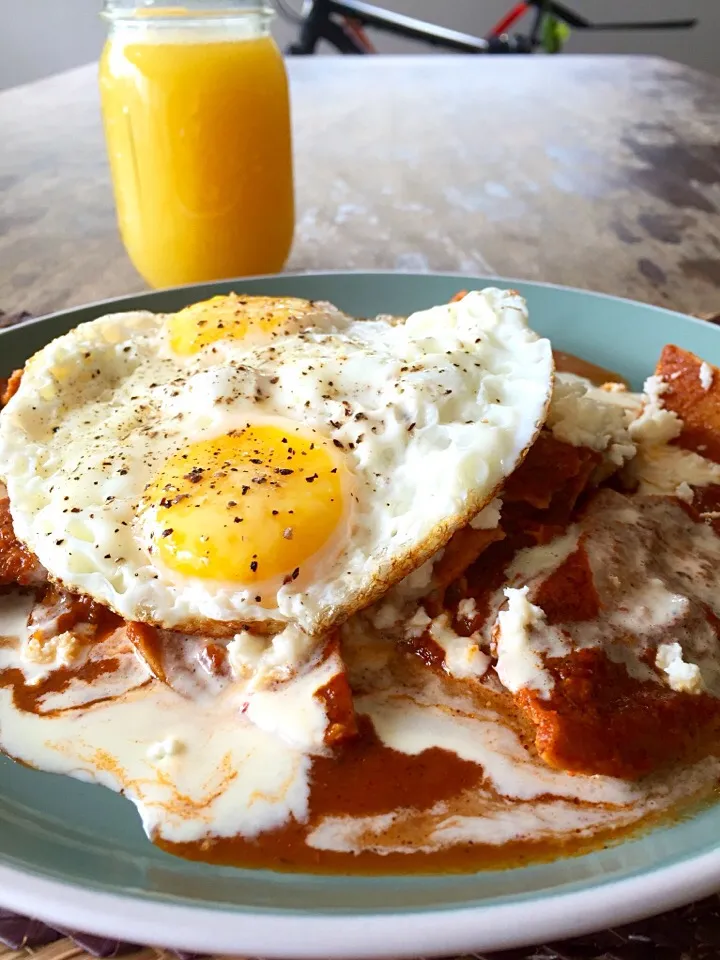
{"points": [[162, 10]]}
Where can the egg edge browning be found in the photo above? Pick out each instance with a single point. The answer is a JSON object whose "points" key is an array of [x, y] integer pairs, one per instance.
{"points": [[386, 574]]}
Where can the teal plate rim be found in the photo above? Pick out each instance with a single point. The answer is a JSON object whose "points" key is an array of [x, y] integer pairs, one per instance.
{"points": [[188, 906]]}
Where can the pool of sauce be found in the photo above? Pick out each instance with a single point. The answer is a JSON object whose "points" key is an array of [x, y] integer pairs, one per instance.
{"points": [[286, 850], [569, 363], [369, 778], [358, 779]]}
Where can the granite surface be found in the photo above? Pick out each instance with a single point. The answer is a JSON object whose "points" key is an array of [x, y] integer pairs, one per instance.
{"points": [[597, 172]]}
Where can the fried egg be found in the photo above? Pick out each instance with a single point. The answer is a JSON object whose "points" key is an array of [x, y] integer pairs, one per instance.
{"points": [[251, 460]]}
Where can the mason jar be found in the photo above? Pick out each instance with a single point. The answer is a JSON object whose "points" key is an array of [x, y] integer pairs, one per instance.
{"points": [[197, 122]]}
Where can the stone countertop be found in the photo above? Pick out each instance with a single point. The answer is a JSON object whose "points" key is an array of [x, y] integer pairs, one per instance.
{"points": [[596, 172]]}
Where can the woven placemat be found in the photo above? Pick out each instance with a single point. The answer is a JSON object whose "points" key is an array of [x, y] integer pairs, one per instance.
{"points": [[689, 933]]}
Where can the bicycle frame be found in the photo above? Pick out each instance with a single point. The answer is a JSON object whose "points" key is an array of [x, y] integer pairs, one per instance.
{"points": [[342, 23], [318, 25]]}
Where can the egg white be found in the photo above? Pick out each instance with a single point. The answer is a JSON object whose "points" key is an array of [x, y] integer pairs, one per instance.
{"points": [[431, 414]]}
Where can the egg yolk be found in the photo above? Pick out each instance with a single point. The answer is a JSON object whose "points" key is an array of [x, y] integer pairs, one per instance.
{"points": [[233, 317], [250, 506]]}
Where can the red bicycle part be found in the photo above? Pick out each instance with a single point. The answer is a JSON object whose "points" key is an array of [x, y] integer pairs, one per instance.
{"points": [[357, 31], [511, 17]]}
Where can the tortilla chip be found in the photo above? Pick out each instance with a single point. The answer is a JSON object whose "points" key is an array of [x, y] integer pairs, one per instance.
{"points": [[685, 395]]}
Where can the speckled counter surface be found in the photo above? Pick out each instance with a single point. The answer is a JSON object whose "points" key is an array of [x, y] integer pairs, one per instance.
{"points": [[599, 172]]}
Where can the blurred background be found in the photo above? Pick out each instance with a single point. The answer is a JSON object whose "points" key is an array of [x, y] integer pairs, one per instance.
{"points": [[41, 37]]}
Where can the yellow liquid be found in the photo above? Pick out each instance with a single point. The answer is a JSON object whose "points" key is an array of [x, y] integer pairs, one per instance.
{"points": [[198, 136]]}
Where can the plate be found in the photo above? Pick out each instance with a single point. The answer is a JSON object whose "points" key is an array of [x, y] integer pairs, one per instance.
{"points": [[74, 854]]}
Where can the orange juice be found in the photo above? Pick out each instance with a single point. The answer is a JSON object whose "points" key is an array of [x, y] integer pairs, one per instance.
{"points": [[197, 124]]}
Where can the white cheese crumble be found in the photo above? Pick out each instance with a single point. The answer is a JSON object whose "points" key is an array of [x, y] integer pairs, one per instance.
{"points": [[387, 612], [58, 651], [417, 624], [583, 419], [655, 425], [418, 582], [169, 747], [685, 492], [519, 664], [463, 656], [390, 610], [654, 387], [467, 608], [385, 616], [244, 653], [662, 470], [682, 676], [706, 375], [616, 394], [489, 516], [263, 660]]}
